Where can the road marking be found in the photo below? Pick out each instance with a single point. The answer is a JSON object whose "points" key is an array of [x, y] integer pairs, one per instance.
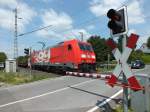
{"points": [[48, 93], [106, 101]]}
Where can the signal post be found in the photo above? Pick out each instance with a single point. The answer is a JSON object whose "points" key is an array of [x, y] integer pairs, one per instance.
{"points": [[27, 51], [118, 26]]}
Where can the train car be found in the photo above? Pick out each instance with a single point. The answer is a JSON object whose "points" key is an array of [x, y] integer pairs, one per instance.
{"points": [[68, 55]]}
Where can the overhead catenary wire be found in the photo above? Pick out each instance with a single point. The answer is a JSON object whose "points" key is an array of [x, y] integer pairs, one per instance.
{"points": [[89, 21], [53, 27], [49, 26], [79, 25], [34, 30]]}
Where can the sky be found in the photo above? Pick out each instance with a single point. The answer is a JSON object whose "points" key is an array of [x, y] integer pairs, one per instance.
{"points": [[67, 19]]}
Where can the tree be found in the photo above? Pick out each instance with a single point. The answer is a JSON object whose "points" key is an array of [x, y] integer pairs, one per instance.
{"points": [[3, 57], [22, 60], [100, 48], [135, 55], [148, 42]]}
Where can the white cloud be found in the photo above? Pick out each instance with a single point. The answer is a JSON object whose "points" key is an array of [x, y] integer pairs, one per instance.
{"points": [[8, 3], [6, 20], [100, 7], [7, 14], [60, 21], [26, 13], [77, 33], [132, 31], [135, 15], [64, 35], [62, 26]]}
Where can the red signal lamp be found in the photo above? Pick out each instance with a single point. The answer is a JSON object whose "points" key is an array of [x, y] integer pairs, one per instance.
{"points": [[117, 21]]}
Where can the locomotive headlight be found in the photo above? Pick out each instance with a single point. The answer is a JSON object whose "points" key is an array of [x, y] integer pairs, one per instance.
{"points": [[93, 56], [83, 56]]}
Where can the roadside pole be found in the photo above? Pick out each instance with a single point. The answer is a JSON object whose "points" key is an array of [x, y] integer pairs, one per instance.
{"points": [[108, 61], [30, 62], [125, 90], [118, 26]]}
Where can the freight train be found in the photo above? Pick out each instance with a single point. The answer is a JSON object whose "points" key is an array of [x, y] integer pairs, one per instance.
{"points": [[72, 55]]}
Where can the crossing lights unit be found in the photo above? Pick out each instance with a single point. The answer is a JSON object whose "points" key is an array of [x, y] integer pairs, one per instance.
{"points": [[26, 51], [118, 21]]}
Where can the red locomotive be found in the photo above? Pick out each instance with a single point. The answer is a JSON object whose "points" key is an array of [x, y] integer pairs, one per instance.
{"points": [[67, 55]]}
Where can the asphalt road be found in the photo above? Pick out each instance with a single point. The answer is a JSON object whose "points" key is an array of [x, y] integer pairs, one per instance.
{"points": [[63, 94], [145, 70]]}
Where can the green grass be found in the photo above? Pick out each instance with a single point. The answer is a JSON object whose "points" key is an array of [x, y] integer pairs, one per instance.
{"points": [[105, 68], [19, 78], [146, 58], [119, 108]]}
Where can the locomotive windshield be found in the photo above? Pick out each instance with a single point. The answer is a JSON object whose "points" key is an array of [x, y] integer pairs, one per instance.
{"points": [[85, 47]]}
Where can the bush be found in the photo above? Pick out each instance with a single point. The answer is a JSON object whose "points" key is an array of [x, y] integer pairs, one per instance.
{"points": [[146, 58]]}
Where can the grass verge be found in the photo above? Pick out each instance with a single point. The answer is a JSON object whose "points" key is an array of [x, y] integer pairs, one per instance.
{"points": [[120, 109], [146, 58], [105, 69], [19, 78]]}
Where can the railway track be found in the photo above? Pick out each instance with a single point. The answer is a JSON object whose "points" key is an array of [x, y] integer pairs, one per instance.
{"points": [[28, 71], [67, 73]]}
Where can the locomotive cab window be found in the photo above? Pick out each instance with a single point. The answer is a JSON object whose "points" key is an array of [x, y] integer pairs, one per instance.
{"points": [[89, 48], [69, 47], [82, 47], [85, 47]]}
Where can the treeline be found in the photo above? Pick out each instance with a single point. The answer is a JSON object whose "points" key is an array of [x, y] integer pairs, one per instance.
{"points": [[3, 57], [23, 61], [102, 50]]}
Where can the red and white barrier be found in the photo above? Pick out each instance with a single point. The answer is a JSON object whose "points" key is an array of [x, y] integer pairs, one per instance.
{"points": [[89, 75], [122, 65]]}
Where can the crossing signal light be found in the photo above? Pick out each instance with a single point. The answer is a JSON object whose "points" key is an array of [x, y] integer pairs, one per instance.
{"points": [[26, 51], [118, 21]]}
